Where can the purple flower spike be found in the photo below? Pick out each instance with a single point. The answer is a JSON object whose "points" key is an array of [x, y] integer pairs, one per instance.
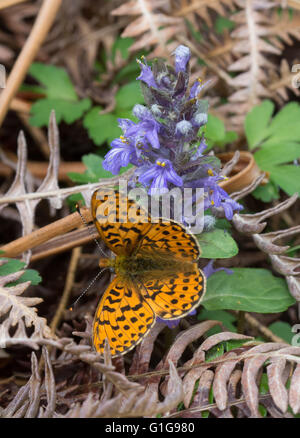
{"points": [[164, 143], [182, 57], [119, 156], [159, 175]]}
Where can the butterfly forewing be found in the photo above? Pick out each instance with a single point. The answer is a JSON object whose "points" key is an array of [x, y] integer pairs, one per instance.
{"points": [[120, 221], [171, 237]]}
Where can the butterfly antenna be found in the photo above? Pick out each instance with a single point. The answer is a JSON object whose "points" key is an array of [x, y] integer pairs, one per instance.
{"points": [[87, 288], [91, 234]]}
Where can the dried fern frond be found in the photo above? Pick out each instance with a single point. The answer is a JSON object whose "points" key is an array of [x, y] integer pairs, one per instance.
{"points": [[201, 8], [282, 82], [27, 403], [154, 24], [18, 312], [18, 188]]}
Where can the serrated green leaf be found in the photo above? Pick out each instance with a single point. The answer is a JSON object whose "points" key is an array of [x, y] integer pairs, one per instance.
{"points": [[217, 244], [11, 266], [101, 127], [256, 123], [247, 289], [56, 81], [67, 111], [29, 275], [60, 96]]}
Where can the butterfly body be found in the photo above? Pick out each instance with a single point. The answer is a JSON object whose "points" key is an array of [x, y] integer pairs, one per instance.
{"points": [[148, 265], [156, 274]]}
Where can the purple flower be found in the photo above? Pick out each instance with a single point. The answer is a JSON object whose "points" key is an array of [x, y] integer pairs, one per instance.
{"points": [[159, 175], [146, 129], [121, 154], [182, 57], [146, 74], [209, 269], [230, 207]]}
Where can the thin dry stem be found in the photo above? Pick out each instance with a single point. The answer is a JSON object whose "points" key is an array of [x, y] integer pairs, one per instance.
{"points": [[39, 32], [76, 252]]}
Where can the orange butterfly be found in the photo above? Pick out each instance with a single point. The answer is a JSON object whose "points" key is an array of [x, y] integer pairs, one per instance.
{"points": [[156, 272]]}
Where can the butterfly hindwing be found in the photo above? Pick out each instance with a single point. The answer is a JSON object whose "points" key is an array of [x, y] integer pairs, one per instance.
{"points": [[178, 294], [122, 316]]}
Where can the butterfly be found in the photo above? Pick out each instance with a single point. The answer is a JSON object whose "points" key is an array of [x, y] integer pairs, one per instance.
{"points": [[156, 271]]}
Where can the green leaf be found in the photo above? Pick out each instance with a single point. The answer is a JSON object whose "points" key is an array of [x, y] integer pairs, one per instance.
{"points": [[60, 96], [122, 45], [273, 154], [267, 192], [13, 265], [94, 172], [67, 111], [216, 134], [215, 352], [226, 318], [72, 200], [247, 289], [101, 127], [287, 177], [217, 244], [283, 330], [264, 384], [128, 95], [223, 23], [285, 125], [215, 128], [257, 121], [56, 81], [29, 275]]}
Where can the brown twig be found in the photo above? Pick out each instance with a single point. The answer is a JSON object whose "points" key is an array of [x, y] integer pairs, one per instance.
{"points": [[65, 242], [38, 33], [39, 168], [42, 235], [7, 3], [260, 328]]}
